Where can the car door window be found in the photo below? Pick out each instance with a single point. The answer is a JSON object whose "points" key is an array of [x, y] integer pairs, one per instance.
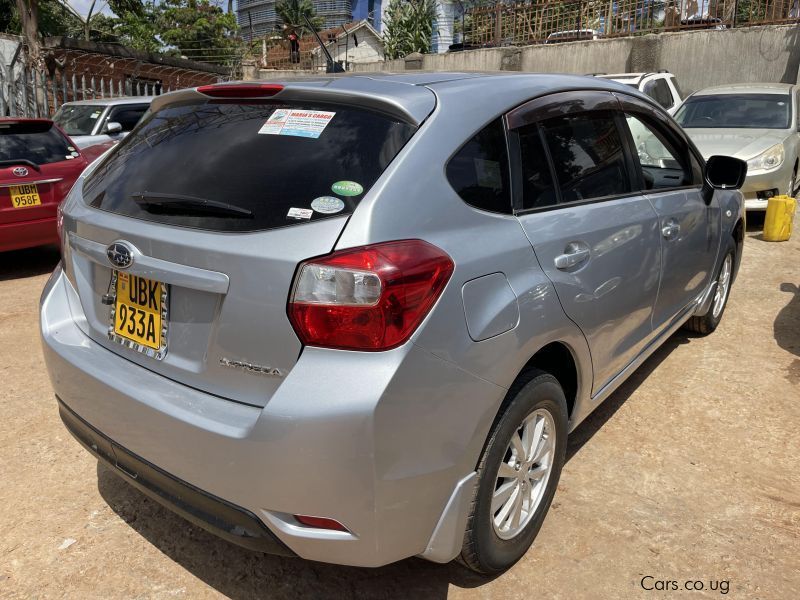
{"points": [[587, 155], [662, 165], [659, 91], [478, 172], [127, 116]]}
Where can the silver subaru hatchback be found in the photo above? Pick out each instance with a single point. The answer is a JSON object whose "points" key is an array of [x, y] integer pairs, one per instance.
{"points": [[354, 319]]}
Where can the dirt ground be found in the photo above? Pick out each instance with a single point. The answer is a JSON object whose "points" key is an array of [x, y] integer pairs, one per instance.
{"points": [[689, 472]]}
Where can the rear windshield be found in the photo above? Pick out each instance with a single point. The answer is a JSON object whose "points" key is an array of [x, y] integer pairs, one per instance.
{"points": [[228, 166], [78, 119], [736, 111], [35, 141]]}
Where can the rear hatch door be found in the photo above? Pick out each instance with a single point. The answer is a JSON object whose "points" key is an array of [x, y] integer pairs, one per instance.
{"points": [[219, 199]]}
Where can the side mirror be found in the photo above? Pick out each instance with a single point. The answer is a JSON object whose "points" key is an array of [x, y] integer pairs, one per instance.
{"points": [[113, 127], [723, 173]]}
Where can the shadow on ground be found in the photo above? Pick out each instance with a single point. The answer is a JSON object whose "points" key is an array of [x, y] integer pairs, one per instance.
{"points": [[18, 264], [786, 328], [239, 573], [606, 410]]}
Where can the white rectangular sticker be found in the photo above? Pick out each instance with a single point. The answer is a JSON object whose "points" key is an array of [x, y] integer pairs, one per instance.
{"points": [[299, 213], [300, 123]]}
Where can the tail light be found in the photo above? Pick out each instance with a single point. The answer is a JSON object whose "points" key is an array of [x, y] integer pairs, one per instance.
{"points": [[368, 298], [60, 226], [240, 90]]}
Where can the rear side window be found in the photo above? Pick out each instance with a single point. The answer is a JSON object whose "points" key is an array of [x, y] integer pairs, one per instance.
{"points": [[587, 155], [658, 90], [36, 141], [229, 166], [479, 171], [127, 116]]}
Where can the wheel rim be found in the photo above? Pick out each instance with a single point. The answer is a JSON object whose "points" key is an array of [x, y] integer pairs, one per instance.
{"points": [[523, 474], [723, 284]]}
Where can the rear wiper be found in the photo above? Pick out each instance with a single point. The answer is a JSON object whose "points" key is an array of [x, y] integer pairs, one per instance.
{"points": [[189, 204], [20, 161]]}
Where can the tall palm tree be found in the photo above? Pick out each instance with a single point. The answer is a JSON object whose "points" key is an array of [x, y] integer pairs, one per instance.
{"points": [[292, 12]]}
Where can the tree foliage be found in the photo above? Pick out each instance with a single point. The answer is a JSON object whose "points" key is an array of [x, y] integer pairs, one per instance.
{"points": [[291, 12], [54, 18], [199, 29], [408, 27]]}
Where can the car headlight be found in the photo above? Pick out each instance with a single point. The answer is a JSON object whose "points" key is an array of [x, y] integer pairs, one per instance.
{"points": [[771, 158]]}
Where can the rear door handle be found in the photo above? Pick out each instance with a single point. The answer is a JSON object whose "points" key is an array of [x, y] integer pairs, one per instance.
{"points": [[574, 254], [670, 229]]}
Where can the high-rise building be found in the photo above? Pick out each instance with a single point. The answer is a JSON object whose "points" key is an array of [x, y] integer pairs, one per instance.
{"points": [[258, 18], [371, 10]]}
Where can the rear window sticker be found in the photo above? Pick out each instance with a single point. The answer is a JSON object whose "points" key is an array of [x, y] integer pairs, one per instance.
{"points": [[298, 123], [347, 188], [299, 213], [327, 205]]}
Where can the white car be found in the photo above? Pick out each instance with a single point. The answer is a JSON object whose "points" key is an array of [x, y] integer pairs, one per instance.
{"points": [[661, 87], [90, 122]]}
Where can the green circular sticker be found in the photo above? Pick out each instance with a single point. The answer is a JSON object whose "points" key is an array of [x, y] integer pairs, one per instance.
{"points": [[347, 188]]}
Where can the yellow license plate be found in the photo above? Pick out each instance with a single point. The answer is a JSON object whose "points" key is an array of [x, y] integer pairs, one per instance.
{"points": [[24, 196], [138, 310]]}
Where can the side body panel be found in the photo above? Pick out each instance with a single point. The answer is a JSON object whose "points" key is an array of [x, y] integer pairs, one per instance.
{"points": [[690, 234], [611, 295]]}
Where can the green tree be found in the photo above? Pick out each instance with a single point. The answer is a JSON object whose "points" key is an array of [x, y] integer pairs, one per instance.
{"points": [[408, 27], [292, 12], [200, 30], [119, 7]]}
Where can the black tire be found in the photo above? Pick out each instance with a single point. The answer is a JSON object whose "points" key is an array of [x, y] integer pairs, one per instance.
{"points": [[703, 325], [483, 550]]}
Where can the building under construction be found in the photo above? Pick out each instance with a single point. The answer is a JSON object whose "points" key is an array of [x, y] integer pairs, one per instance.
{"points": [[257, 18]]}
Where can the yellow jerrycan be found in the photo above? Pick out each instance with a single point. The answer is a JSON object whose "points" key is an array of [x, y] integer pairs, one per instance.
{"points": [[778, 220]]}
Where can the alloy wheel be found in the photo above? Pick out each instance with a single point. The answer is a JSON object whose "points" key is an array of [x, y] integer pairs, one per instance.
{"points": [[522, 476], [723, 285]]}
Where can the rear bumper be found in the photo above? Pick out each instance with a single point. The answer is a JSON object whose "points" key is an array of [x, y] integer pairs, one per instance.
{"points": [[28, 234], [213, 514], [381, 442]]}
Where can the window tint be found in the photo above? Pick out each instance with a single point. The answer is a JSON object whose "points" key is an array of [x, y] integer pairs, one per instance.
{"points": [[587, 156], [479, 171], [537, 180], [662, 166], [658, 90], [36, 141], [127, 116], [310, 162]]}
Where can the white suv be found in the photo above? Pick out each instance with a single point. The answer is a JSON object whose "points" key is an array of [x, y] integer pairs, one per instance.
{"points": [[661, 87]]}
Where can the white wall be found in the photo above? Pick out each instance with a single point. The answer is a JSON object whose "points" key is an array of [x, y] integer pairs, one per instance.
{"points": [[369, 49]]}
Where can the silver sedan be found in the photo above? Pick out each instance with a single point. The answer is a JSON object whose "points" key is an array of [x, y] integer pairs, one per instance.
{"points": [[756, 122]]}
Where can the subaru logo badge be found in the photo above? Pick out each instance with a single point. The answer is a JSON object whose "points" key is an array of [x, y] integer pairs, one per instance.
{"points": [[20, 171], [120, 255]]}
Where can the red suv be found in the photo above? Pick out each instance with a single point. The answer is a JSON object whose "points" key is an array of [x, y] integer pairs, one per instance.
{"points": [[38, 165]]}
